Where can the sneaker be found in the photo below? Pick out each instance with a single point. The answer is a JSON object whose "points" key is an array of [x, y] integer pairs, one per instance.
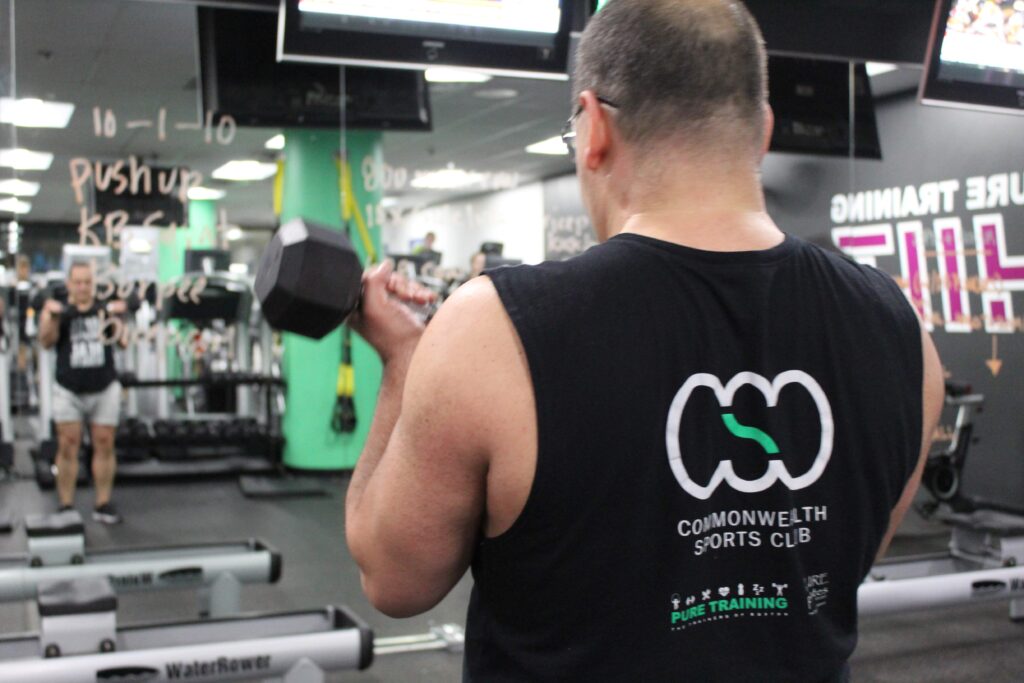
{"points": [[106, 514], [65, 508]]}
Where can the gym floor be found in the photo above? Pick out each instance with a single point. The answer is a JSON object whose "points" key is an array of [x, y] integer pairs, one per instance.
{"points": [[974, 643]]}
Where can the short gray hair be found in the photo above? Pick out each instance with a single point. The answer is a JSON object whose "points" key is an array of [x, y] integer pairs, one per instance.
{"points": [[693, 67], [81, 263]]}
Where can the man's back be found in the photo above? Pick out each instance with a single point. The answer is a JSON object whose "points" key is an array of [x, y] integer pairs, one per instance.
{"points": [[721, 439]]}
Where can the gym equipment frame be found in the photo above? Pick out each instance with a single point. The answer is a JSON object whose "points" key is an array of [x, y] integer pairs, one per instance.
{"points": [[79, 641], [56, 552], [985, 549]]}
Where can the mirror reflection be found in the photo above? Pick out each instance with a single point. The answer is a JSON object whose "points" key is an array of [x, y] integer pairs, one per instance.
{"points": [[201, 422]]}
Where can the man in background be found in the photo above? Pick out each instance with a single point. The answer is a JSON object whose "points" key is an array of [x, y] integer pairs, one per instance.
{"points": [[22, 293], [427, 245], [477, 264], [86, 387]]}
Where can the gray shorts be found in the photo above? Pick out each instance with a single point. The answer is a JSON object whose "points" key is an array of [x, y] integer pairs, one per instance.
{"points": [[102, 408]]}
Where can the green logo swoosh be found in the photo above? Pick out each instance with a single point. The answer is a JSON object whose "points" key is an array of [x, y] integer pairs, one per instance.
{"points": [[744, 432]]}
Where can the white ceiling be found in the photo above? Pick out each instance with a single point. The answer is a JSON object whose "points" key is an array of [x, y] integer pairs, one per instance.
{"points": [[137, 57]]}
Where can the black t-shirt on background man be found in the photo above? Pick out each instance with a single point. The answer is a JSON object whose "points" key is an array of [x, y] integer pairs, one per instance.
{"points": [[85, 363], [721, 440]]}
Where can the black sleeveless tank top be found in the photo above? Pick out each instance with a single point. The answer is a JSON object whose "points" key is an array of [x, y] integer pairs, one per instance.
{"points": [[721, 439], [85, 358]]}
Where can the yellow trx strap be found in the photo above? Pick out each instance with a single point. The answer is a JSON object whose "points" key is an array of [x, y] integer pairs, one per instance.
{"points": [[279, 188], [344, 420], [350, 210]]}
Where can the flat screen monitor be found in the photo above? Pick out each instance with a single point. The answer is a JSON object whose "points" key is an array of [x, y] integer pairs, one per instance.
{"points": [[207, 261], [976, 56], [417, 260], [492, 248], [242, 77], [100, 258], [150, 204], [223, 298], [811, 102], [527, 38]]}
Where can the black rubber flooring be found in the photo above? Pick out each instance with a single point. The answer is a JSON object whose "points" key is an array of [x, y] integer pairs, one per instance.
{"points": [[975, 643]]}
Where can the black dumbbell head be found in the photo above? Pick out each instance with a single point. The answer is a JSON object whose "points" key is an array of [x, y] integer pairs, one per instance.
{"points": [[309, 279]]}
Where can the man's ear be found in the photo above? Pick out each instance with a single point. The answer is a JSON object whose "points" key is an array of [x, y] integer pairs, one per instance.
{"points": [[593, 133], [769, 126]]}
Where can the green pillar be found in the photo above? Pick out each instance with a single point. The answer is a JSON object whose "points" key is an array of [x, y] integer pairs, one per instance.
{"points": [[310, 190]]}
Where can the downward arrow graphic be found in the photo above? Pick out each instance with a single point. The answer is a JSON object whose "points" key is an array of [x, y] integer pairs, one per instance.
{"points": [[994, 364]]}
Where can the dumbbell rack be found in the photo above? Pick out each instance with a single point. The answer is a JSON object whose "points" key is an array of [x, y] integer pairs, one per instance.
{"points": [[202, 444], [6, 426]]}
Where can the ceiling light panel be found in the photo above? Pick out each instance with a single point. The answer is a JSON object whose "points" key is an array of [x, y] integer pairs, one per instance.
{"points": [[19, 188], [14, 205], [35, 113], [446, 179], [245, 170], [447, 75], [201, 193], [25, 159], [552, 147]]}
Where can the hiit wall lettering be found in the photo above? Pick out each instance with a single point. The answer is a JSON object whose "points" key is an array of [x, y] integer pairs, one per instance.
{"points": [[934, 256]]}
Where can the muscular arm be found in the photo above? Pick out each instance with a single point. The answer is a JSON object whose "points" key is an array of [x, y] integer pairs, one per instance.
{"points": [[49, 329], [418, 497], [932, 393]]}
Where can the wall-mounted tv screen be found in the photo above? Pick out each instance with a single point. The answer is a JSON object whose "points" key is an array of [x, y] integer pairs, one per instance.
{"points": [[528, 38], [976, 56], [242, 77], [811, 102], [141, 206]]}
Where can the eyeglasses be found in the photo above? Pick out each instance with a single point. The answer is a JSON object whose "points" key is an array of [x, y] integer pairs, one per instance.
{"points": [[569, 132]]}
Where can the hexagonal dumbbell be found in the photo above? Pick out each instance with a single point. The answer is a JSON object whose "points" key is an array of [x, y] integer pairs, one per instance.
{"points": [[309, 279]]}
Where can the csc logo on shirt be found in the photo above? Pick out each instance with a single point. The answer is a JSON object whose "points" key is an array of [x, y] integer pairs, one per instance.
{"points": [[776, 468]]}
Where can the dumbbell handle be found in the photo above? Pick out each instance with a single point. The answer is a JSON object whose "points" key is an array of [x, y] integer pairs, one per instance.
{"points": [[310, 280], [424, 311]]}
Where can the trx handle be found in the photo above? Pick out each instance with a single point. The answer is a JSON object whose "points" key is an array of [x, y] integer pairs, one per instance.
{"points": [[344, 420]]}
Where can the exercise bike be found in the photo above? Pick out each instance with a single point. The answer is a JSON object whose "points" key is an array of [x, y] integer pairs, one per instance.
{"points": [[986, 544], [943, 471]]}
